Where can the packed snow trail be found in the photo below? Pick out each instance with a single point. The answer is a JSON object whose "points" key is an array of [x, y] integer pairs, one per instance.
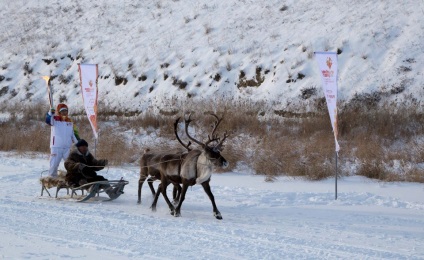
{"points": [[287, 219]]}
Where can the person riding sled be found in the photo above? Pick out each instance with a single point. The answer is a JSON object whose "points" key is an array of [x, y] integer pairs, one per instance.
{"points": [[82, 167]]}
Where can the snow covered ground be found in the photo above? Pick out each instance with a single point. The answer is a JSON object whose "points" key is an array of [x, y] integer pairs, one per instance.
{"points": [[286, 219]]}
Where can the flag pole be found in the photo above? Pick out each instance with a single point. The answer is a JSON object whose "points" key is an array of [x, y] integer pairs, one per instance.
{"points": [[336, 178], [95, 146]]}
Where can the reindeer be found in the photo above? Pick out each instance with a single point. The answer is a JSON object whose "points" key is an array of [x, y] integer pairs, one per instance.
{"points": [[196, 168], [154, 164]]}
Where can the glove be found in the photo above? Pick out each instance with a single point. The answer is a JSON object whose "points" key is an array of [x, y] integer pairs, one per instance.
{"points": [[52, 110]]}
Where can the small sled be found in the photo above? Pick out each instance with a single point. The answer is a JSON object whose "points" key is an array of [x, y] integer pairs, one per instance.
{"points": [[97, 187]]}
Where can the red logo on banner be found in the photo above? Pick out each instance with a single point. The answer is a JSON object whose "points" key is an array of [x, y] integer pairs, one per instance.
{"points": [[329, 62], [327, 73]]}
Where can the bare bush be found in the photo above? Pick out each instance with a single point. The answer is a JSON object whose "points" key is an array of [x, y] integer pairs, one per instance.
{"points": [[381, 142]]}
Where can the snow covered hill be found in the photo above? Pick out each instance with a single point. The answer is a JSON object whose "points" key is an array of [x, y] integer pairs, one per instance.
{"points": [[151, 53]]}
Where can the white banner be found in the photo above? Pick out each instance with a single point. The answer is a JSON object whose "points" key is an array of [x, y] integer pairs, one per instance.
{"points": [[88, 76], [327, 62]]}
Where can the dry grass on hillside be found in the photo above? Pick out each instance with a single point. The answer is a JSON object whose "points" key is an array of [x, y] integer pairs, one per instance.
{"points": [[378, 143]]}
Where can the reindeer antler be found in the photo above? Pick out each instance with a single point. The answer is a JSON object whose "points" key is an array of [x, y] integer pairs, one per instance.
{"points": [[219, 146], [178, 138], [216, 124], [213, 137], [187, 122]]}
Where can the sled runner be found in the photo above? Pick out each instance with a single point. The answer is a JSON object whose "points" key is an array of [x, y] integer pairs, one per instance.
{"points": [[113, 188]]}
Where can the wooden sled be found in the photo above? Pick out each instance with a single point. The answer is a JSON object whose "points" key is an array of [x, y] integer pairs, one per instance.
{"points": [[115, 189]]}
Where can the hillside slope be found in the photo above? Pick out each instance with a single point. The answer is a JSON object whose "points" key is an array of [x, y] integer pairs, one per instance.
{"points": [[158, 54]]}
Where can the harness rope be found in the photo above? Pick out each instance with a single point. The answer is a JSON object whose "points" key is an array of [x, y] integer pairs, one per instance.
{"points": [[108, 167]]}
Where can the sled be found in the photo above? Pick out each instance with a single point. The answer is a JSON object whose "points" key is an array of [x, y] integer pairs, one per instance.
{"points": [[97, 187]]}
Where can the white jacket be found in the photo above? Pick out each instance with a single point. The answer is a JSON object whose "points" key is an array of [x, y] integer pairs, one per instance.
{"points": [[62, 132]]}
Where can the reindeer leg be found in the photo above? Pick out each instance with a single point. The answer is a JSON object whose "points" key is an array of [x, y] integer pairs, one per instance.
{"points": [[164, 183], [208, 191], [150, 182], [155, 200], [176, 192], [140, 185], [182, 197]]}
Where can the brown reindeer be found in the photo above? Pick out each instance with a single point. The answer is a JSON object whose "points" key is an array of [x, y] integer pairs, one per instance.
{"points": [[196, 168], [169, 163]]}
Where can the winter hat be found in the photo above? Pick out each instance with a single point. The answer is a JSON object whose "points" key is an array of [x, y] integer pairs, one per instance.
{"points": [[81, 142], [62, 107]]}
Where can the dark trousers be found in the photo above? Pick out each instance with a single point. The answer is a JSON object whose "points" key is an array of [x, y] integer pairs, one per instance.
{"points": [[81, 177]]}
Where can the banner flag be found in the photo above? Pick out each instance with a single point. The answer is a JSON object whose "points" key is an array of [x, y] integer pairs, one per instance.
{"points": [[327, 62], [49, 91], [88, 76]]}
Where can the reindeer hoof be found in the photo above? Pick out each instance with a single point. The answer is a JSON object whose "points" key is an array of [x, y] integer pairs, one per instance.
{"points": [[217, 215]]}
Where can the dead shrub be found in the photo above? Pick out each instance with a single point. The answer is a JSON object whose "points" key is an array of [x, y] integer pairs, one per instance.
{"points": [[384, 144], [372, 169], [308, 92], [254, 82], [120, 80], [116, 149], [294, 155], [415, 175]]}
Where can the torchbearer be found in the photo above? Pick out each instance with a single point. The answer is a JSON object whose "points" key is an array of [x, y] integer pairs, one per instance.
{"points": [[63, 134]]}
